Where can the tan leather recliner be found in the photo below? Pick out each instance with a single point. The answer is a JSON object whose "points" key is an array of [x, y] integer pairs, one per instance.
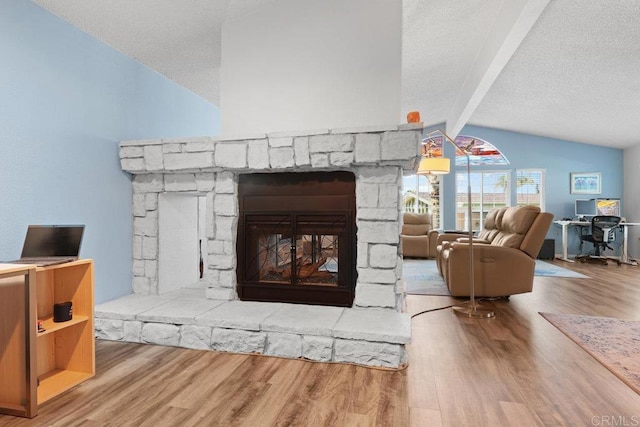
{"points": [[503, 257], [418, 239]]}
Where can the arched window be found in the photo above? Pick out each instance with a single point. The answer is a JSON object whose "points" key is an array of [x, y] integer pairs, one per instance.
{"points": [[483, 153]]}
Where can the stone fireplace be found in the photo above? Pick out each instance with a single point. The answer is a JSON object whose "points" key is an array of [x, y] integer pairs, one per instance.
{"points": [[213, 168], [309, 217]]}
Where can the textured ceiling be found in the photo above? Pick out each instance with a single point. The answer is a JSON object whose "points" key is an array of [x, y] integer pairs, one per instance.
{"points": [[567, 69], [576, 76]]}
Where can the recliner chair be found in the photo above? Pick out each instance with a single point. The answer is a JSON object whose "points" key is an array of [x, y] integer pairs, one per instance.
{"points": [[418, 238], [602, 232]]}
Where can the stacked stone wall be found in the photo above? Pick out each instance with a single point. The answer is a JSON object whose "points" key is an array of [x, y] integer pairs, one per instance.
{"points": [[210, 167]]}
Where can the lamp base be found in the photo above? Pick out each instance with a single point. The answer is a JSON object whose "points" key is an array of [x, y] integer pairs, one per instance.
{"points": [[474, 312]]}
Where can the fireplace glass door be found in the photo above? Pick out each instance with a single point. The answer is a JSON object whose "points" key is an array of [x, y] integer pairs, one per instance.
{"points": [[297, 252]]}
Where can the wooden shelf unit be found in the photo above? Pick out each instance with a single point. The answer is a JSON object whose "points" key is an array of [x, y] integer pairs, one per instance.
{"points": [[37, 366], [65, 350]]}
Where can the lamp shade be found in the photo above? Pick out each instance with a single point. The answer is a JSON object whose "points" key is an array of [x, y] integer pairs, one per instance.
{"points": [[433, 166]]}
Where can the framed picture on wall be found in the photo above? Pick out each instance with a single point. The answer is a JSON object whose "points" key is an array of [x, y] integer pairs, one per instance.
{"points": [[585, 183]]}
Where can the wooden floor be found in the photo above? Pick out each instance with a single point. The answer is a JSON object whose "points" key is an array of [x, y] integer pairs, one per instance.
{"points": [[514, 370]]}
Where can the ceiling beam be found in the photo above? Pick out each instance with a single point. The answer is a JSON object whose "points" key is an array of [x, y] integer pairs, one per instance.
{"points": [[514, 21]]}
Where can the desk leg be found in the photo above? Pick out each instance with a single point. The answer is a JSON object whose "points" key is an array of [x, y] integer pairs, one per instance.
{"points": [[624, 257], [565, 243]]}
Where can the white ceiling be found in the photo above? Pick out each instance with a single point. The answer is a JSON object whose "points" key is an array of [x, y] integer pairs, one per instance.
{"points": [[567, 69]]}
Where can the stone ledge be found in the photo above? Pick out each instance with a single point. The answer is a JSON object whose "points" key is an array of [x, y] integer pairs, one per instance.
{"points": [[237, 314], [281, 134], [330, 334], [181, 311], [245, 137], [411, 126], [374, 325], [303, 319], [135, 142], [336, 148], [309, 132], [366, 129], [128, 307]]}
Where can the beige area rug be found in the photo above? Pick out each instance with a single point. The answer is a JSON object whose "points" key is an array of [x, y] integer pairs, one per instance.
{"points": [[614, 343]]}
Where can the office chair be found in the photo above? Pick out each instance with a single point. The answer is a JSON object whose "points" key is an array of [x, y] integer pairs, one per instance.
{"points": [[602, 233]]}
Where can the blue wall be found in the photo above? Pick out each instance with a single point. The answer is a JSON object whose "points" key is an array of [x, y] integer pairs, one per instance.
{"points": [[558, 158], [66, 100]]}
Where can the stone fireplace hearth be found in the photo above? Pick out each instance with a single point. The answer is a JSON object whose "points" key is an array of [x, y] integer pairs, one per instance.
{"points": [[210, 168]]}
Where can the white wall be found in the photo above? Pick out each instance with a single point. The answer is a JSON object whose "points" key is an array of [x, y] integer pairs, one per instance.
{"points": [[631, 198], [304, 64]]}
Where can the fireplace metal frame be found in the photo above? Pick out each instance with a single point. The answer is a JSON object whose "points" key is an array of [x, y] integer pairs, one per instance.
{"points": [[298, 196]]}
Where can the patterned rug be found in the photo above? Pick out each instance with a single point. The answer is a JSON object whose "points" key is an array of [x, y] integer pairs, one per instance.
{"points": [[421, 276], [614, 343]]}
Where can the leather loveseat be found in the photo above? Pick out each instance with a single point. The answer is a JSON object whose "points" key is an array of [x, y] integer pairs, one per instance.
{"points": [[487, 234], [504, 253], [417, 237]]}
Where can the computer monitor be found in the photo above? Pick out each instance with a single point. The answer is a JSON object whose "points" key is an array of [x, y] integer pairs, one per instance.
{"points": [[586, 208], [609, 207], [593, 207]]}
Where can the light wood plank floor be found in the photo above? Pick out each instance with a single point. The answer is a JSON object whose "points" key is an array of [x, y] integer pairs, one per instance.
{"points": [[514, 370]]}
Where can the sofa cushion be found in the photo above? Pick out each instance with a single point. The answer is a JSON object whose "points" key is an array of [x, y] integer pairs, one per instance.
{"points": [[416, 218], [515, 223], [492, 224], [415, 229]]}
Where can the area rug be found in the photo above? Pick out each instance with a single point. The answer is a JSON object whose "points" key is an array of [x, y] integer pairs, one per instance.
{"points": [[548, 269], [421, 276], [613, 342]]}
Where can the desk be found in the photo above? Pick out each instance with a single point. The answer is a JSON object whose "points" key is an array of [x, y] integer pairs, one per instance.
{"points": [[37, 366], [18, 337], [624, 257]]}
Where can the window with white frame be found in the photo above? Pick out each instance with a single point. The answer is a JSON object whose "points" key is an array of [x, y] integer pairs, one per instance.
{"points": [[489, 189], [421, 193], [530, 187]]}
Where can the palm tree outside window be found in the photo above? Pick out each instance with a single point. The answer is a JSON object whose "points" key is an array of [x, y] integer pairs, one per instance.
{"points": [[530, 187]]}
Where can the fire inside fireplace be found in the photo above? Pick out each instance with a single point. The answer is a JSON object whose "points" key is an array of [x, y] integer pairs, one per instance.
{"points": [[296, 238]]}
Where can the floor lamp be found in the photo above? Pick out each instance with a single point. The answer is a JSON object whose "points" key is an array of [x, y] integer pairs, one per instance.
{"points": [[439, 166]]}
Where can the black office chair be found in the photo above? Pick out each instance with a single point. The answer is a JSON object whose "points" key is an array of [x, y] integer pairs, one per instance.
{"points": [[603, 229]]}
